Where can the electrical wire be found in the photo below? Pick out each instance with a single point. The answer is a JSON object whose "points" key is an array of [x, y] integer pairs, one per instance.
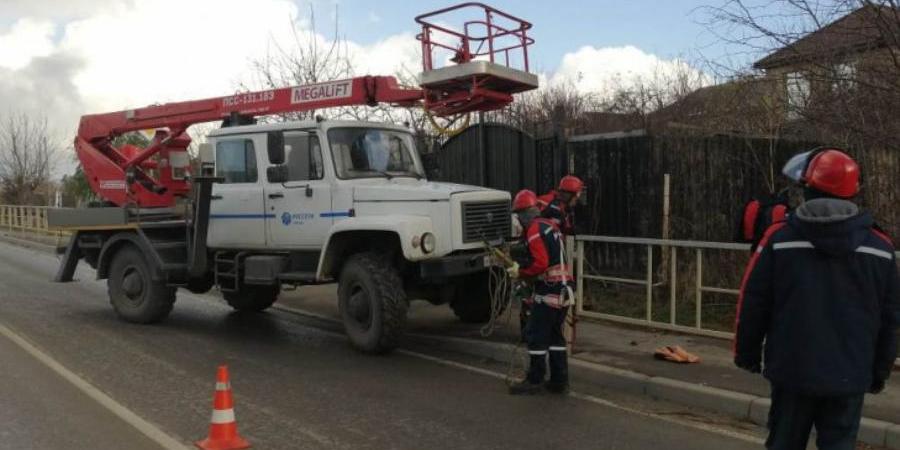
{"points": [[447, 130], [502, 292]]}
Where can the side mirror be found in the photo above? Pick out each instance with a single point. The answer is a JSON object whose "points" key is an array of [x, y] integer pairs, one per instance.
{"points": [[277, 174], [205, 150], [275, 146], [207, 159]]}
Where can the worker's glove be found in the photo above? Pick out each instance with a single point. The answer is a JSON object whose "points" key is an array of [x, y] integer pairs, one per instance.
{"points": [[877, 386], [748, 365], [513, 271]]}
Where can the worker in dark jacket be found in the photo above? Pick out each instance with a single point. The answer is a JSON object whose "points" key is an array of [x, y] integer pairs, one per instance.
{"points": [[822, 292], [560, 208], [550, 302]]}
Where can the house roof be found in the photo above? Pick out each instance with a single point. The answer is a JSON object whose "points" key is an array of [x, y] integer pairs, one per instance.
{"points": [[735, 99], [861, 30]]}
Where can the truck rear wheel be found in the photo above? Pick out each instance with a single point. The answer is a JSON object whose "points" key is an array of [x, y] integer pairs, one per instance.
{"points": [[252, 297], [472, 300], [133, 293], [372, 303]]}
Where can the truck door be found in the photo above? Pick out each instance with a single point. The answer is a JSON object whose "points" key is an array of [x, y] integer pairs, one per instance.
{"points": [[299, 210], [237, 209]]}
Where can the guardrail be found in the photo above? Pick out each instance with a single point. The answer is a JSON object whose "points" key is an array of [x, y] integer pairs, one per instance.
{"points": [[26, 218], [672, 248]]}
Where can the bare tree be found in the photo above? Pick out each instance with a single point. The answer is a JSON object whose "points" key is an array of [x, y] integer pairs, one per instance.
{"points": [[546, 110], [27, 155], [643, 98], [309, 57], [833, 71], [850, 74]]}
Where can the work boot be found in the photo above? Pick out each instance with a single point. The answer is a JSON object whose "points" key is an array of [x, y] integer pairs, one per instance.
{"points": [[557, 387], [526, 387], [559, 371]]}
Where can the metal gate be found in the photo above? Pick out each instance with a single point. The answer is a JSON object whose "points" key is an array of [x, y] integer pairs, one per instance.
{"points": [[492, 155]]}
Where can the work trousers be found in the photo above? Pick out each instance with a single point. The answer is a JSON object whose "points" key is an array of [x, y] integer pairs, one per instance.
{"points": [[793, 415], [544, 336]]}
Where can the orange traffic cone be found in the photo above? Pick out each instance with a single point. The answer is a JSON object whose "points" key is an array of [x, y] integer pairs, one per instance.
{"points": [[223, 433]]}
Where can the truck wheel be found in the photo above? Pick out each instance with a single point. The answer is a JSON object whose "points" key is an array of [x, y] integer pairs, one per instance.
{"points": [[132, 292], [472, 300], [372, 302], [252, 297]]}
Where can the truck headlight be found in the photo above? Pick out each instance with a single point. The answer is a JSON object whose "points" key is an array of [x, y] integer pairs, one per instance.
{"points": [[428, 242]]}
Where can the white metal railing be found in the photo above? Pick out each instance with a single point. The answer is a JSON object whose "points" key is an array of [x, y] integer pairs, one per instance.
{"points": [[672, 247], [31, 219]]}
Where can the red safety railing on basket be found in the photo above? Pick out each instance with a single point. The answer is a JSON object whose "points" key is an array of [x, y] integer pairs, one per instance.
{"points": [[510, 32], [490, 50]]}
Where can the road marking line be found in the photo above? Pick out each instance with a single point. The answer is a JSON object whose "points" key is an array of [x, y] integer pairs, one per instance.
{"points": [[578, 395], [145, 427], [303, 312]]}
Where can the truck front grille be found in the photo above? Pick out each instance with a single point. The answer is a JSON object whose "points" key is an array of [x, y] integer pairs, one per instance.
{"points": [[485, 221]]}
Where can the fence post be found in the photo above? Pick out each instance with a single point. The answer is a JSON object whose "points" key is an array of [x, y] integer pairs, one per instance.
{"points": [[649, 283], [579, 288], [672, 288], [698, 304]]}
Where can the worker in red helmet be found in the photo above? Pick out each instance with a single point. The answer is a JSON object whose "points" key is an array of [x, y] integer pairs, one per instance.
{"points": [[550, 302], [544, 200], [560, 209], [819, 307]]}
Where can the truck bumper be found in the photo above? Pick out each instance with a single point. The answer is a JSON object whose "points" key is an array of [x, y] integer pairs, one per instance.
{"points": [[454, 265]]}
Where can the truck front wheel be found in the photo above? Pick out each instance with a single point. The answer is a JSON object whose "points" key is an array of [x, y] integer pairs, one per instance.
{"points": [[133, 293], [372, 303], [252, 297]]}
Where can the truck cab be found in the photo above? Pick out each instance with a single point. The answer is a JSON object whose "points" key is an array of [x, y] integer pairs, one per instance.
{"points": [[310, 202]]}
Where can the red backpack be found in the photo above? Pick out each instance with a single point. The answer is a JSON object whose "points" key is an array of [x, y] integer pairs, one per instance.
{"points": [[756, 217]]}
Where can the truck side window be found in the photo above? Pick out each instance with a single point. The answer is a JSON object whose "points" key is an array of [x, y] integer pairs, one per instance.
{"points": [[303, 157], [236, 161]]}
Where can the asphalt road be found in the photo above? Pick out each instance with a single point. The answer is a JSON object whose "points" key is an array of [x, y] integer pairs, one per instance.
{"points": [[296, 385], [43, 410]]}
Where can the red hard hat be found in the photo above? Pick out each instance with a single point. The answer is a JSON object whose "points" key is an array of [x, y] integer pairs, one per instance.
{"points": [[571, 183], [524, 199], [833, 172]]}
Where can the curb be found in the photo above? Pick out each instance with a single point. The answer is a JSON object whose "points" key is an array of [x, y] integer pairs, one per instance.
{"points": [[735, 404], [26, 243]]}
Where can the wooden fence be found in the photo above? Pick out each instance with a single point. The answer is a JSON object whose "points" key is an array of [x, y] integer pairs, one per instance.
{"points": [[31, 219]]}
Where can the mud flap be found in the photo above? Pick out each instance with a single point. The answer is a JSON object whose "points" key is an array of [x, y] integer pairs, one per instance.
{"points": [[69, 261]]}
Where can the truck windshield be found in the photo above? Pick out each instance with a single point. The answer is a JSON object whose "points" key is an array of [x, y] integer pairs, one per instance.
{"points": [[372, 152]]}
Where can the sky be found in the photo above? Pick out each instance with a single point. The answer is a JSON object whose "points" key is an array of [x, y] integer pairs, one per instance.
{"points": [[63, 59]]}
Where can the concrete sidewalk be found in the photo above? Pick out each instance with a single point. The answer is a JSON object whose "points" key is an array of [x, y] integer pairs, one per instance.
{"points": [[628, 351]]}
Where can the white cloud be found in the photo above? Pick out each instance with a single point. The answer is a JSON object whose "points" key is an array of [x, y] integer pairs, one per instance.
{"points": [[603, 70], [55, 9], [145, 53], [388, 56], [26, 39], [97, 56], [130, 53]]}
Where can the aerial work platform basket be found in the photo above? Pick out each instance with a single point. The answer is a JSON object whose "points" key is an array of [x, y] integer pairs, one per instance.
{"points": [[484, 62]]}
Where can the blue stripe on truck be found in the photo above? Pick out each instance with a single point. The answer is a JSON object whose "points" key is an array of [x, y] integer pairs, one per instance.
{"points": [[335, 214], [242, 216]]}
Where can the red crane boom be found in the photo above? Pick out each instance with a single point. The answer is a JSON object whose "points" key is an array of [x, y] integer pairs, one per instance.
{"points": [[483, 79], [121, 175]]}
